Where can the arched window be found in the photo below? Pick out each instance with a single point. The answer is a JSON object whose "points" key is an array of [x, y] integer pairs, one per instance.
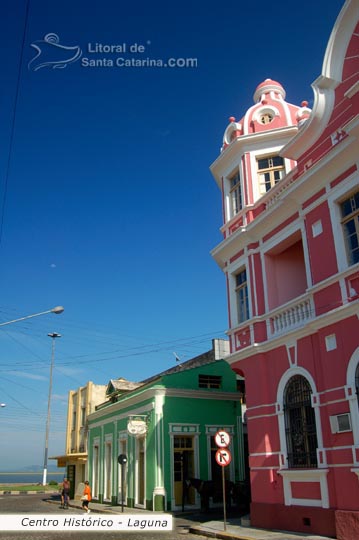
{"points": [[357, 383], [300, 428]]}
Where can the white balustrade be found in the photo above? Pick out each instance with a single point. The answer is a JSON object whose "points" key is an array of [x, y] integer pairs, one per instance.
{"points": [[290, 317]]}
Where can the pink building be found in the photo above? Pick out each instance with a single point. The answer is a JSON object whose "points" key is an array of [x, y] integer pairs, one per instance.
{"points": [[290, 192]]}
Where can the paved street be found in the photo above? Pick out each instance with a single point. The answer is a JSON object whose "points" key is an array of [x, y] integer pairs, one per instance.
{"points": [[36, 504]]}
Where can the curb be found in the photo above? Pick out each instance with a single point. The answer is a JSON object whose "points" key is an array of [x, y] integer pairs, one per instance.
{"points": [[224, 535]]}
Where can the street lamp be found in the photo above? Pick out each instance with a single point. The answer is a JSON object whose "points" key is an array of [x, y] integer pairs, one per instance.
{"points": [[57, 310], [53, 336]]}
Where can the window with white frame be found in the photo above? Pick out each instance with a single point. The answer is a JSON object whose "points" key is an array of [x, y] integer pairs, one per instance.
{"points": [[235, 193], [270, 170], [350, 223], [300, 426], [241, 291]]}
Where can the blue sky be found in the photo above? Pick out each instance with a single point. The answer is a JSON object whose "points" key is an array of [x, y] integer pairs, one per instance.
{"points": [[108, 205]]}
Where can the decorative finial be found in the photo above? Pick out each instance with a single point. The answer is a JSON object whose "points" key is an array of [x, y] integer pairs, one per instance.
{"points": [[232, 119], [304, 104]]}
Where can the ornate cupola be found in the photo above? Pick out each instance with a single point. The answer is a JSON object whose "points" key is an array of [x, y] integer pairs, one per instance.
{"points": [[270, 111], [250, 164]]}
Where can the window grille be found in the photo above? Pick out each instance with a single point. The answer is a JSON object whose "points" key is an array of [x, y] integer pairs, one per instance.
{"points": [[300, 428], [209, 381]]}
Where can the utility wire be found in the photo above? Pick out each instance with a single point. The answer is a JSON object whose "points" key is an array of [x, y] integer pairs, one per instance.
{"points": [[13, 122]]}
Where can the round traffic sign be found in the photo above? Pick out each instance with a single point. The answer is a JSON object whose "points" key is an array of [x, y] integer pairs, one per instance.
{"points": [[222, 438], [223, 457]]}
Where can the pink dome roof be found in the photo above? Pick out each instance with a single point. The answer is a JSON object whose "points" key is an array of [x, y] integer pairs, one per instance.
{"points": [[269, 112], [268, 86]]}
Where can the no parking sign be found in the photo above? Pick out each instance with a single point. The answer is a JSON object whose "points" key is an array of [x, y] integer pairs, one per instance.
{"points": [[222, 438], [223, 457]]}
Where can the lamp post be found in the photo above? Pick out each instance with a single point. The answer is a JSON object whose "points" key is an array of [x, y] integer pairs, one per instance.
{"points": [[57, 310], [53, 336]]}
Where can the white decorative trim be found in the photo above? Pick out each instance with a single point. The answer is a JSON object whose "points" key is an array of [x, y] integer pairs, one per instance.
{"points": [[265, 109], [355, 452], [212, 429], [133, 406], [307, 475], [184, 429], [265, 454], [317, 228], [330, 342], [350, 392], [261, 416], [159, 440], [289, 346], [352, 90], [325, 85], [263, 406], [232, 127]]}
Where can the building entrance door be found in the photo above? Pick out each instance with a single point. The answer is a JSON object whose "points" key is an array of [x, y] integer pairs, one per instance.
{"points": [[71, 475], [183, 467], [141, 471]]}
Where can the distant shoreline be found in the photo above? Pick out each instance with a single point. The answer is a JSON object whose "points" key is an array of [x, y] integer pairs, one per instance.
{"points": [[30, 477], [28, 473]]}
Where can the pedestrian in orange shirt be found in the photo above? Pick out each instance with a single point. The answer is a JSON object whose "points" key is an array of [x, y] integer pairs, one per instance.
{"points": [[86, 497]]}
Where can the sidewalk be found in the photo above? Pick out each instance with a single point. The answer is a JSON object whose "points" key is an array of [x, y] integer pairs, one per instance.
{"points": [[185, 523]]}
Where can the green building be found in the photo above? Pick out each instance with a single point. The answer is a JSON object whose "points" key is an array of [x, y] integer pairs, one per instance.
{"points": [[165, 426]]}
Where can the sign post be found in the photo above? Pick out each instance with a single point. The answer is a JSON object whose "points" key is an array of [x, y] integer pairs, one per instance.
{"points": [[122, 460], [223, 458]]}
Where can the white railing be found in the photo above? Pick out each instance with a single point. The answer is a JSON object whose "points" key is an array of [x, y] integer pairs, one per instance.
{"points": [[277, 191], [293, 315]]}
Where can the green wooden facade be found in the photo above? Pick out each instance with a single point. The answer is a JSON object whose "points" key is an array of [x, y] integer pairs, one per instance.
{"points": [[182, 409]]}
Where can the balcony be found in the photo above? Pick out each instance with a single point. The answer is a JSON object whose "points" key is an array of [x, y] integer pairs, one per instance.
{"points": [[279, 321], [290, 316]]}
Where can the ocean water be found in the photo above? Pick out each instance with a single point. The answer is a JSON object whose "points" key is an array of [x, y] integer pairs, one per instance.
{"points": [[29, 477]]}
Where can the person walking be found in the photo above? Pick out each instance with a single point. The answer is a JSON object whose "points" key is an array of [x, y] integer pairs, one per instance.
{"points": [[65, 493], [86, 497]]}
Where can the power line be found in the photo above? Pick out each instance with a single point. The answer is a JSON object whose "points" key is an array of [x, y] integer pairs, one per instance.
{"points": [[124, 352], [13, 122]]}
